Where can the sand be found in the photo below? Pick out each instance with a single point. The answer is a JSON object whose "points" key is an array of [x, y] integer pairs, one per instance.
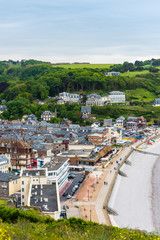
{"points": [[136, 198]]}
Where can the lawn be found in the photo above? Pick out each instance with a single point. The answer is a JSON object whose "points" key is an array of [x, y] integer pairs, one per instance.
{"points": [[140, 94], [74, 66]]}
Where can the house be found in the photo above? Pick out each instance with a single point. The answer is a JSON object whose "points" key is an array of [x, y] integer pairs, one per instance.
{"points": [[2, 108], [4, 163], [69, 97], [47, 115], [20, 153], [107, 122], [112, 74], [156, 102], [116, 97], [85, 112], [9, 184], [95, 99]]}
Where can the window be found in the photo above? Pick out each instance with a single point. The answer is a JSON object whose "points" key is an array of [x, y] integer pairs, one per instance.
{"points": [[22, 196], [22, 189], [22, 182]]}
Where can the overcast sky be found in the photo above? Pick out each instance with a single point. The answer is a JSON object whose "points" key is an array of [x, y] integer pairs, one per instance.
{"points": [[95, 31]]}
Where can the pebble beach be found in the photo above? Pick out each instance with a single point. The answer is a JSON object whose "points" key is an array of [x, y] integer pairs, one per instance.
{"points": [[136, 198]]}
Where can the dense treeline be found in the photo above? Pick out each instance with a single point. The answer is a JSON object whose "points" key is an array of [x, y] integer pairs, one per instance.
{"points": [[41, 81], [22, 83]]}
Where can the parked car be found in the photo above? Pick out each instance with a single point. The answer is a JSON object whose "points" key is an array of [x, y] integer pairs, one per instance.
{"points": [[69, 196], [64, 194]]}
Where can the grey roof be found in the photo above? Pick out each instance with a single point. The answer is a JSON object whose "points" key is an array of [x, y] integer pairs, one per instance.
{"points": [[7, 177], [107, 120], [45, 197], [34, 172], [85, 109], [55, 164], [156, 101], [116, 93], [3, 160]]}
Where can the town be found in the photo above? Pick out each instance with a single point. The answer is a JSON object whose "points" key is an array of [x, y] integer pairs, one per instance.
{"points": [[45, 165]]}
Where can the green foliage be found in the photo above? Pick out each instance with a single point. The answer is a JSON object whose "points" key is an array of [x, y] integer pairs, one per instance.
{"points": [[29, 225]]}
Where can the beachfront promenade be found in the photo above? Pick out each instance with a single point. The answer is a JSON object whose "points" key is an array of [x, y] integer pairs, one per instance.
{"points": [[92, 197]]}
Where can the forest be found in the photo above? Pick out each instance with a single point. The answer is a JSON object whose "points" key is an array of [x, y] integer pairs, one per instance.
{"points": [[24, 83]]}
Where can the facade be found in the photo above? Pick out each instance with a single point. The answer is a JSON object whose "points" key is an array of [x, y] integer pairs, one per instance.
{"points": [[107, 122], [112, 74], [19, 152], [156, 102], [86, 156], [47, 115], [116, 97], [85, 112], [95, 99], [58, 171], [4, 163], [37, 192], [2, 108], [69, 97], [9, 184]]}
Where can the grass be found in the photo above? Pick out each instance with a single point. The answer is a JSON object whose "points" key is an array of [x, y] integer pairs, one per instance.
{"points": [[71, 229], [140, 94], [133, 74], [3, 202], [17, 224], [74, 66]]}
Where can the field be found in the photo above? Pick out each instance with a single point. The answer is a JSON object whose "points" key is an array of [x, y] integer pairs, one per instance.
{"points": [[74, 66], [140, 94], [133, 74]]}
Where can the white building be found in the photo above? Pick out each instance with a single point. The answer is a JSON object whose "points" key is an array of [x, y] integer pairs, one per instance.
{"points": [[69, 97], [116, 97], [4, 163], [58, 171], [47, 115], [95, 99], [37, 192]]}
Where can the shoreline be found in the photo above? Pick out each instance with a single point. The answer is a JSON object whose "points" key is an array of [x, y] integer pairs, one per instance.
{"points": [[151, 163]]}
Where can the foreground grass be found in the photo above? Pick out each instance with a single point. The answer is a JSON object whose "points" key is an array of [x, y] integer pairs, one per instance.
{"points": [[73, 229], [17, 224]]}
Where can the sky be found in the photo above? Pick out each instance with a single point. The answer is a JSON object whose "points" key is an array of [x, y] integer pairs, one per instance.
{"points": [[95, 31]]}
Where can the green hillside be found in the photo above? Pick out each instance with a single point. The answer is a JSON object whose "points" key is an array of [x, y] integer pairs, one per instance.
{"points": [[17, 224]]}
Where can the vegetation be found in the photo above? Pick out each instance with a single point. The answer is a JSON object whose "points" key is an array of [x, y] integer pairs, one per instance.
{"points": [[23, 84], [25, 227]]}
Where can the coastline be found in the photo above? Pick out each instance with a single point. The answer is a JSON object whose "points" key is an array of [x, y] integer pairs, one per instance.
{"points": [[133, 197]]}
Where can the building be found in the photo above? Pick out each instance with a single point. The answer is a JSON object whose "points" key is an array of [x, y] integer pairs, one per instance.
{"points": [[9, 184], [95, 99], [107, 122], [85, 112], [19, 152], [69, 97], [2, 108], [112, 74], [116, 97], [37, 192], [4, 163], [47, 115], [156, 102], [58, 171], [85, 155]]}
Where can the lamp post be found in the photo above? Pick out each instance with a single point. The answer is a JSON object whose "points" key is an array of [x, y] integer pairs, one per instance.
{"points": [[96, 178]]}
